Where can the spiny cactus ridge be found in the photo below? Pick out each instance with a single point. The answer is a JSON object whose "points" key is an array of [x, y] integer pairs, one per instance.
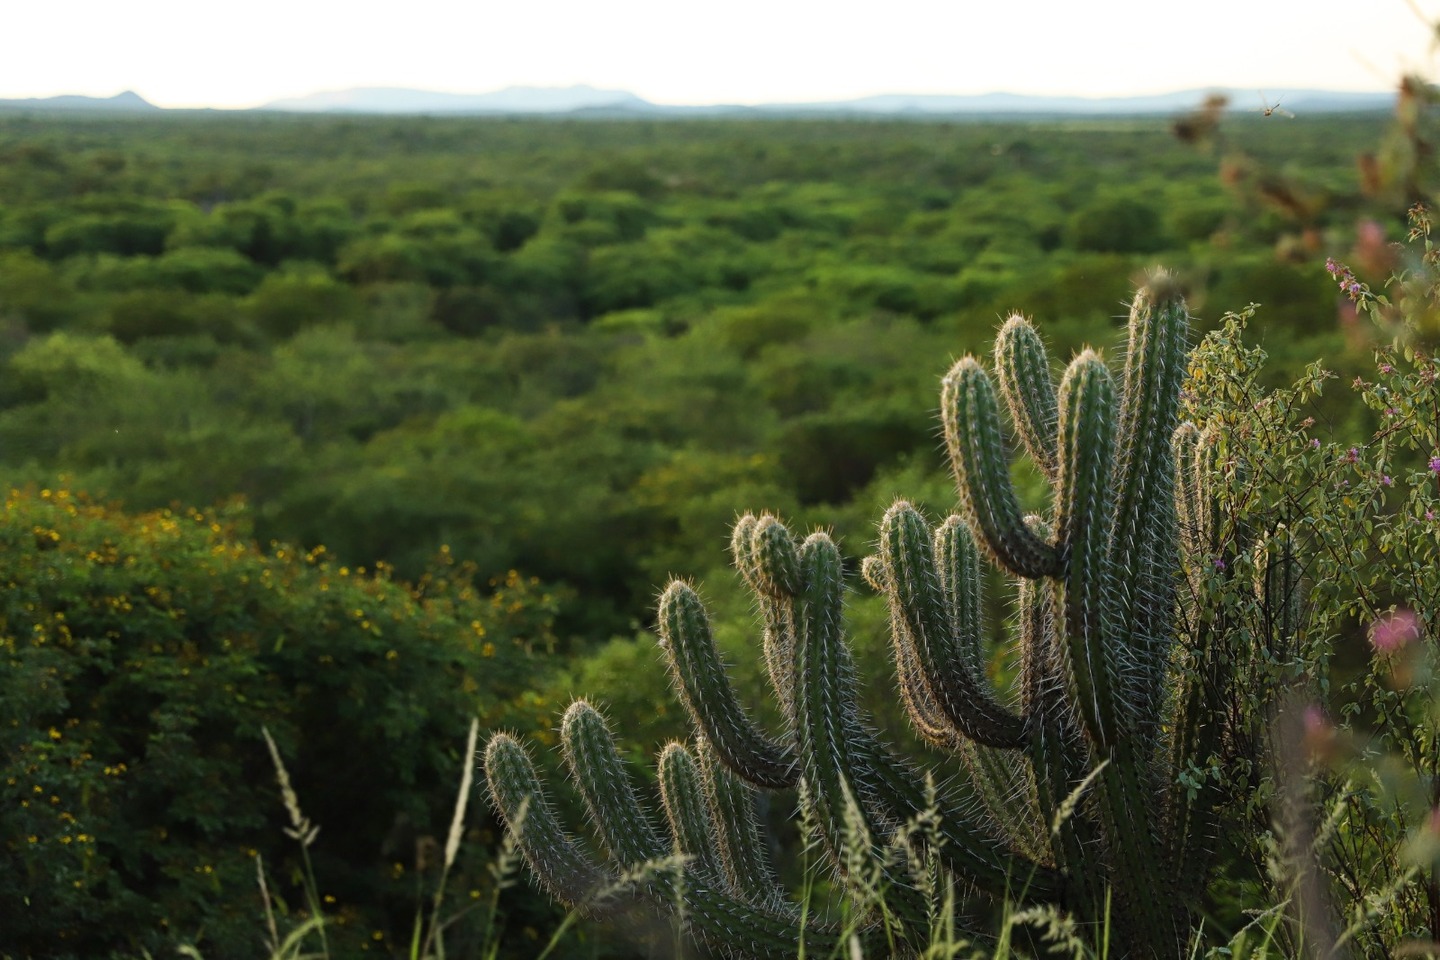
{"points": [[1074, 792]]}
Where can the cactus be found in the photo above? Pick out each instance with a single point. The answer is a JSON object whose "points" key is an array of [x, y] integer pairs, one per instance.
{"points": [[1074, 795]]}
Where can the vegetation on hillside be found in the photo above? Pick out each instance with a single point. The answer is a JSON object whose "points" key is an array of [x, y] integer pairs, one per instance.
{"points": [[353, 429]]}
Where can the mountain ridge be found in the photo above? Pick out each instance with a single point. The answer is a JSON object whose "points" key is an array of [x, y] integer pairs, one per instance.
{"points": [[127, 102], [592, 101], [583, 100]]}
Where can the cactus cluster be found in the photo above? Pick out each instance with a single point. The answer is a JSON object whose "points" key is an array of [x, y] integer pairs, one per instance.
{"points": [[1073, 780]]}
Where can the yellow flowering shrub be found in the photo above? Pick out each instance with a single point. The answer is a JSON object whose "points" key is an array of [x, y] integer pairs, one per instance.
{"points": [[140, 656]]}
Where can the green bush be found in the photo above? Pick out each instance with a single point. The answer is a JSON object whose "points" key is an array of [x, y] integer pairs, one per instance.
{"points": [[140, 656]]}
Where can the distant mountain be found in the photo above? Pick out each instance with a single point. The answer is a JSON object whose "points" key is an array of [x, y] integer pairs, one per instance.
{"points": [[127, 102], [589, 101], [509, 100], [1314, 101]]}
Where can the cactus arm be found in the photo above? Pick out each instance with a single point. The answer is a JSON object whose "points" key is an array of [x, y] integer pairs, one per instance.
{"points": [[1006, 789], [925, 714], [1195, 520], [957, 561], [1149, 413], [1023, 371], [1191, 727], [982, 473], [682, 795], [765, 553], [1143, 549], [601, 775], [743, 858], [1088, 651], [570, 875], [1000, 784], [946, 657], [826, 724], [705, 688]]}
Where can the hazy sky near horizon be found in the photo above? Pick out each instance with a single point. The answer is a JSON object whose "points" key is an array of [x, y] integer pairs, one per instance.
{"points": [[222, 53]]}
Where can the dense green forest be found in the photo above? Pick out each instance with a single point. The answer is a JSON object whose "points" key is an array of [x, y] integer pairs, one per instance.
{"points": [[444, 402], [574, 348]]}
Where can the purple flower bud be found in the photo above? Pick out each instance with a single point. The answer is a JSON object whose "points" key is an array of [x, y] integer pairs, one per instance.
{"points": [[1386, 368], [1219, 564], [1315, 443], [1331, 266], [1352, 456], [1385, 479], [1435, 464]]}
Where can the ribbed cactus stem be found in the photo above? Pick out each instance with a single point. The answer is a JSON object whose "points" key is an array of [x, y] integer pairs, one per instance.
{"points": [[1149, 413], [1142, 552], [519, 797], [947, 660], [602, 777], [1023, 371], [682, 794], [743, 857], [1088, 653], [1191, 507], [705, 687], [827, 723], [824, 687], [957, 561], [776, 557], [765, 554], [982, 472], [926, 716]]}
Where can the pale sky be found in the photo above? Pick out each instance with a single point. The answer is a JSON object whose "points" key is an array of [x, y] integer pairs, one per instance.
{"points": [[222, 53]]}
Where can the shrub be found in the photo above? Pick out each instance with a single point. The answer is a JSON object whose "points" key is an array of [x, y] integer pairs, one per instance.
{"points": [[140, 656]]}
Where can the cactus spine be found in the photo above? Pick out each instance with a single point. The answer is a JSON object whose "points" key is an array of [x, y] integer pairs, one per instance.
{"points": [[1073, 775]]}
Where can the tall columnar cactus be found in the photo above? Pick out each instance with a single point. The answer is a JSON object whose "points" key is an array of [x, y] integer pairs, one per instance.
{"points": [[1075, 792]]}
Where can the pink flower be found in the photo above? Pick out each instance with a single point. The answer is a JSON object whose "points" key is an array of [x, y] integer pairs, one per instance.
{"points": [[1385, 479], [1394, 630], [1386, 368]]}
